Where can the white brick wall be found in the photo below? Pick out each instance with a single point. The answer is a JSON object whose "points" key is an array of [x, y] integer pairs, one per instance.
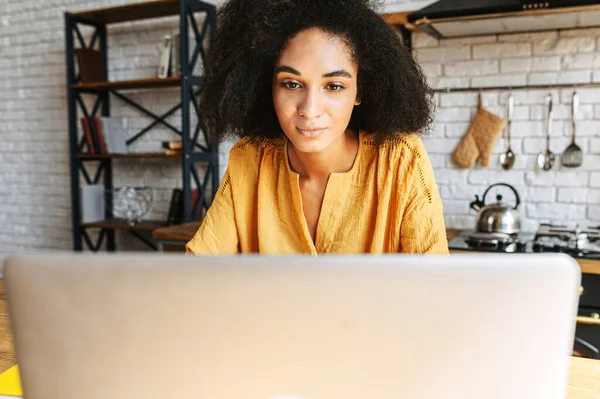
{"points": [[560, 196], [35, 211]]}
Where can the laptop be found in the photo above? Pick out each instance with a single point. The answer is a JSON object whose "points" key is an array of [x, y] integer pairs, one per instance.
{"points": [[249, 327]]}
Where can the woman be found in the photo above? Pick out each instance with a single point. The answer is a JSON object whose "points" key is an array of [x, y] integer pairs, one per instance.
{"points": [[328, 103]]}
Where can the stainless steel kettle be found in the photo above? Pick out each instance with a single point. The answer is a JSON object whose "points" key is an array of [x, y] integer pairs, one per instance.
{"points": [[497, 217]]}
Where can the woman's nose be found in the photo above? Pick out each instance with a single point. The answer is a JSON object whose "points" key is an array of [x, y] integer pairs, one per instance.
{"points": [[310, 106]]}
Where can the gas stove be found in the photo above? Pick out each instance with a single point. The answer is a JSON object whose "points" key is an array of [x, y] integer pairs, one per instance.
{"points": [[577, 242]]}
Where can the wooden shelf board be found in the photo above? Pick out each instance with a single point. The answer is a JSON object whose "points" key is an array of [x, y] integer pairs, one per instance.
{"points": [[120, 224], [181, 232], [397, 18], [130, 12], [511, 14], [127, 156], [150, 83]]}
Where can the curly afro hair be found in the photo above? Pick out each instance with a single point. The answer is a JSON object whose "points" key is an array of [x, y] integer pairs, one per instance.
{"points": [[236, 99]]}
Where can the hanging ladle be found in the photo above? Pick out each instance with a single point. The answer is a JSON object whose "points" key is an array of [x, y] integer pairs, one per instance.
{"points": [[546, 158], [507, 159]]}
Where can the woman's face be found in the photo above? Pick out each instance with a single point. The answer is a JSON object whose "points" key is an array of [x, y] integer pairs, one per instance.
{"points": [[314, 89]]}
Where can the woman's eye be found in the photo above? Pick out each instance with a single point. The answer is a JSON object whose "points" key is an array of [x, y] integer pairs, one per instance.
{"points": [[290, 85], [335, 87]]}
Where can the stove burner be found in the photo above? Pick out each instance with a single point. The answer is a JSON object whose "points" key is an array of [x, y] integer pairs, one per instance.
{"points": [[495, 242], [576, 242]]}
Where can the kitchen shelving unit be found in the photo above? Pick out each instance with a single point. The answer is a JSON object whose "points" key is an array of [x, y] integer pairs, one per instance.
{"points": [[192, 153]]}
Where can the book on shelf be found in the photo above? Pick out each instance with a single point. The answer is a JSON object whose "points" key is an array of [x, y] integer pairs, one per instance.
{"points": [[175, 67], [104, 135], [93, 204], [165, 57], [115, 135], [89, 62], [175, 214], [175, 207], [87, 132], [101, 142]]}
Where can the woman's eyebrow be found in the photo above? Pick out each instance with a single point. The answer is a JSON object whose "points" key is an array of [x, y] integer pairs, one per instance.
{"points": [[285, 68], [339, 73]]}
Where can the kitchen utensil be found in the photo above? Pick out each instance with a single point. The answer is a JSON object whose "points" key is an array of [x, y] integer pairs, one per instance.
{"points": [[507, 159], [546, 158], [497, 217], [480, 139], [573, 157]]}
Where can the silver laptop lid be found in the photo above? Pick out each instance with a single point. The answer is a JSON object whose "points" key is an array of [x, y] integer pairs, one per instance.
{"points": [[149, 326]]}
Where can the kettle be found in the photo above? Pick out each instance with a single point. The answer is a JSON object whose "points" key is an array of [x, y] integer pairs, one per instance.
{"points": [[497, 217]]}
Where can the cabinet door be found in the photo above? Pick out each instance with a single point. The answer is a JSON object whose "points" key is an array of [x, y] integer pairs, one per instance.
{"points": [[590, 296], [587, 342]]}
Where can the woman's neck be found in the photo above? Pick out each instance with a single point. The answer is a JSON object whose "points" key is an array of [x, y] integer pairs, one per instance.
{"points": [[337, 158]]}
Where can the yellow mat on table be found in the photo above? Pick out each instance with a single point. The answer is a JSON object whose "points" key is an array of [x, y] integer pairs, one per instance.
{"points": [[10, 382]]}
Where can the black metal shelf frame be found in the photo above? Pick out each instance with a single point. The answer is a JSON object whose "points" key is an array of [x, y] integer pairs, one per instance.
{"points": [[192, 151]]}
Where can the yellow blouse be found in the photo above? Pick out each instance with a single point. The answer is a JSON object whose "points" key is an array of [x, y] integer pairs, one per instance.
{"points": [[388, 202]]}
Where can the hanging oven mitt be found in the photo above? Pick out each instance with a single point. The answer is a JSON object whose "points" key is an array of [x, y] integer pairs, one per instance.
{"points": [[480, 139]]}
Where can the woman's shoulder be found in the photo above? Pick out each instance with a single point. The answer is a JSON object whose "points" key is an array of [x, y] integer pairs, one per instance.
{"points": [[406, 155], [249, 152], [400, 147]]}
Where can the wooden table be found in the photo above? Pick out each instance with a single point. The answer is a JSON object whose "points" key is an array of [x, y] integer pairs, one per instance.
{"points": [[584, 379], [174, 238], [7, 354]]}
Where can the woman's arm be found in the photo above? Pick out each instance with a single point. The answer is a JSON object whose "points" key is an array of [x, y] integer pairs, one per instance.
{"points": [[218, 233], [423, 229]]}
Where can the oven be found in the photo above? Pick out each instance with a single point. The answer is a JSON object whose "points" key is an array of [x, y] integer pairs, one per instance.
{"points": [[587, 342]]}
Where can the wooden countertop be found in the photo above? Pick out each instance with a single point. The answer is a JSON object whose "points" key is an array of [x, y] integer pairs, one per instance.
{"points": [[584, 379], [588, 266], [584, 374], [186, 231]]}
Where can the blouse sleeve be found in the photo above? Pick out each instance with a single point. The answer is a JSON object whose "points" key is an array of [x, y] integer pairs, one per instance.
{"points": [[217, 234], [423, 229]]}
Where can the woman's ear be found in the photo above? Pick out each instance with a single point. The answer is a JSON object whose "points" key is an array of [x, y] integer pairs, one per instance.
{"points": [[358, 101]]}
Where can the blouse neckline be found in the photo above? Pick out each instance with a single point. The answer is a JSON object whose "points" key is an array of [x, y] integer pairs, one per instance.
{"points": [[350, 172]]}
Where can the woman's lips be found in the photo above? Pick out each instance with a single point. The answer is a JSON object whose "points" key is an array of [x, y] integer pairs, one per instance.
{"points": [[312, 132]]}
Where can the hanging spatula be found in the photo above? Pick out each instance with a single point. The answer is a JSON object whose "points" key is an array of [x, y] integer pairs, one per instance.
{"points": [[573, 156]]}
